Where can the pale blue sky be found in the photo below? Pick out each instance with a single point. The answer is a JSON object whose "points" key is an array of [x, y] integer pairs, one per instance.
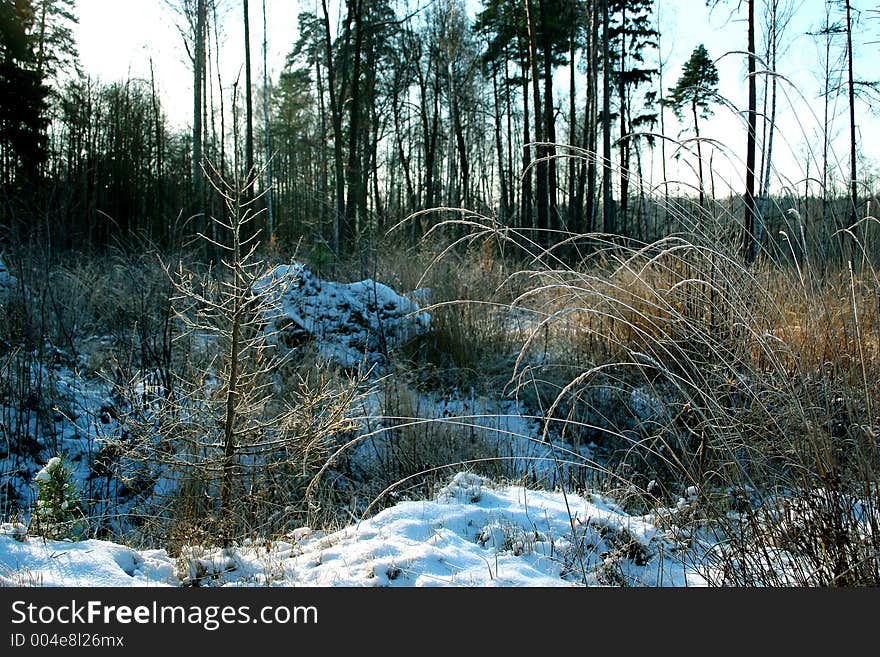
{"points": [[117, 38]]}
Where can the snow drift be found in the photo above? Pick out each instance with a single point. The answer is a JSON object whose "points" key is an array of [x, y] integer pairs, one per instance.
{"points": [[473, 533]]}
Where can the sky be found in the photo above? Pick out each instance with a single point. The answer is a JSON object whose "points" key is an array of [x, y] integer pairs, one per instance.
{"points": [[119, 38], [797, 143]]}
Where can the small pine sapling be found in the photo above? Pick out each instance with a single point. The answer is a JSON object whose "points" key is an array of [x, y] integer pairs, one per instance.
{"points": [[58, 513]]}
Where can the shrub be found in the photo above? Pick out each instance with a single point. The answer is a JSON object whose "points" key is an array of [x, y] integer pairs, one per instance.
{"points": [[58, 513]]}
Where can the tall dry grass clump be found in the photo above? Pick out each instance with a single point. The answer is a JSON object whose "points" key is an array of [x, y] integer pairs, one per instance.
{"points": [[743, 398], [756, 388]]}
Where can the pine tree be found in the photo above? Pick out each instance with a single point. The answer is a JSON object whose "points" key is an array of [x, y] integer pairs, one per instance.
{"points": [[22, 99], [52, 36], [696, 89], [631, 35], [58, 513]]}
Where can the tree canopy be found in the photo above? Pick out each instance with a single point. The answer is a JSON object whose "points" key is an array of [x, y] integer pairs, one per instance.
{"points": [[698, 85]]}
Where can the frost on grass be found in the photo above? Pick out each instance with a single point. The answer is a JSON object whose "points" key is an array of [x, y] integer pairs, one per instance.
{"points": [[465, 487]]}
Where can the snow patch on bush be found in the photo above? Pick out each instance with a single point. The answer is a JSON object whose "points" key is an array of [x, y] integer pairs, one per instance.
{"points": [[465, 488]]}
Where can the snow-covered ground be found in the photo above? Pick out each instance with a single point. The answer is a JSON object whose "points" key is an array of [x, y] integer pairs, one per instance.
{"points": [[474, 533], [78, 425], [507, 431], [352, 325]]}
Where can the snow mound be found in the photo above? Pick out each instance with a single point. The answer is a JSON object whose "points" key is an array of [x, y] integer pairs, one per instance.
{"points": [[35, 562], [352, 324], [478, 534], [465, 487], [474, 533], [16, 530]]}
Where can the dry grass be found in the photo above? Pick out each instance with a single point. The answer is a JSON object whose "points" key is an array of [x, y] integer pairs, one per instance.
{"points": [[756, 386]]}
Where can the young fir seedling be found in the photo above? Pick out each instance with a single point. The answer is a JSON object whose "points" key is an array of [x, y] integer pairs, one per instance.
{"points": [[58, 512]]}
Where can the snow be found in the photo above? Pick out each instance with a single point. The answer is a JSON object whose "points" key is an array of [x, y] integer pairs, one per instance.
{"points": [[72, 427], [35, 562], [7, 280], [472, 533], [353, 324], [45, 474], [84, 421], [507, 430]]}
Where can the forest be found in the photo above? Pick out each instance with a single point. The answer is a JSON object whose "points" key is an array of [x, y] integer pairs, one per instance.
{"points": [[446, 248]]}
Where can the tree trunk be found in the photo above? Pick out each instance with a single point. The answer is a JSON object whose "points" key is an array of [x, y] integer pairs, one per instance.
{"points": [[826, 139], [624, 140], [249, 104], [323, 166], [198, 79], [354, 180], [526, 217], [512, 188], [222, 163], [541, 182], [463, 184], [336, 118], [499, 147], [268, 155], [159, 231], [749, 245], [699, 164], [607, 200], [41, 44], [574, 211], [767, 159], [231, 408], [854, 190], [549, 127], [369, 182], [591, 120], [404, 161], [662, 112]]}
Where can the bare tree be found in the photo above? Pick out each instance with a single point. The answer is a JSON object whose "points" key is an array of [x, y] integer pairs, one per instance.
{"points": [[830, 89], [853, 180], [607, 200], [749, 243], [226, 430], [198, 85], [268, 154], [248, 95], [193, 30]]}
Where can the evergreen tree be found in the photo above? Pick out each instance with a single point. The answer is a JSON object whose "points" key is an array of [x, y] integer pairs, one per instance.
{"points": [[22, 98], [58, 513], [696, 89], [631, 34], [540, 33], [51, 33]]}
